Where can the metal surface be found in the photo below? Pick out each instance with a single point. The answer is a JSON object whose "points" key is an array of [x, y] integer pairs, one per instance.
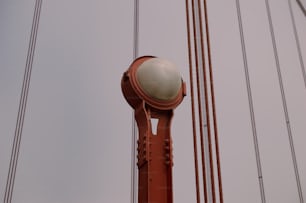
{"points": [[154, 155], [155, 159]]}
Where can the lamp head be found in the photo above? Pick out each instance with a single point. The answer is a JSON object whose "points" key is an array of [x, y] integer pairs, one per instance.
{"points": [[153, 80]]}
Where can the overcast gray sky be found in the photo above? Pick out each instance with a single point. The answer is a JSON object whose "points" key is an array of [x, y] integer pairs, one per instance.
{"points": [[76, 143]]}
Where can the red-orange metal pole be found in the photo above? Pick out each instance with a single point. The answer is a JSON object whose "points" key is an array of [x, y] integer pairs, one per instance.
{"points": [[154, 156], [155, 159]]}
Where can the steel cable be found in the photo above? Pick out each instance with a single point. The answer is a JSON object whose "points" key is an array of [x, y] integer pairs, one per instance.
{"points": [[297, 41], [22, 105], [212, 91], [205, 112], [301, 6], [285, 108], [192, 106], [134, 124], [202, 94], [251, 106], [197, 36]]}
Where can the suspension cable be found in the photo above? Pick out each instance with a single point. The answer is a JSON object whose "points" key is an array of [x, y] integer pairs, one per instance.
{"points": [[205, 111], [192, 106], [22, 106], [301, 6], [251, 106], [136, 29], [198, 62], [284, 103], [204, 122], [134, 124], [213, 104], [297, 41]]}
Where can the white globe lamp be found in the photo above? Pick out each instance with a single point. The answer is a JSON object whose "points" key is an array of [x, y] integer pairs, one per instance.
{"points": [[153, 80]]}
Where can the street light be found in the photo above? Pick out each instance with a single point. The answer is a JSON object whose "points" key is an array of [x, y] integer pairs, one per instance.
{"points": [[154, 87]]}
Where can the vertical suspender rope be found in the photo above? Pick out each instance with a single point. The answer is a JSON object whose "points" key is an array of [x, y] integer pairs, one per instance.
{"points": [[297, 40], [22, 106], [192, 106], [134, 127], [205, 111], [213, 105], [136, 29], [251, 106], [204, 123], [196, 36], [284, 103]]}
